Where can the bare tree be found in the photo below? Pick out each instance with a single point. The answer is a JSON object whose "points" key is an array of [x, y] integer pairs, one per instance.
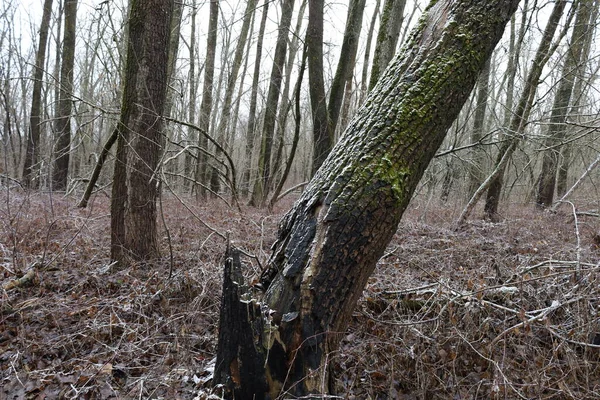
{"points": [[562, 101], [493, 183], [250, 130], [62, 147], [387, 39], [135, 183], [263, 181], [229, 90], [35, 119], [207, 97]]}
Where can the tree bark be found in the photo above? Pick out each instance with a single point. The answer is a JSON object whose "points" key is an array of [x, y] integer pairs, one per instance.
{"points": [[329, 243], [35, 116], [62, 149], [322, 135], [135, 185]]}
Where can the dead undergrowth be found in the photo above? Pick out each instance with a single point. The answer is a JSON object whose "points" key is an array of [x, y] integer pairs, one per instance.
{"points": [[506, 311]]}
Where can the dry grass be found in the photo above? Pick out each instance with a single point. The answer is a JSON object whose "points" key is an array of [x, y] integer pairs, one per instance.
{"points": [[505, 311]]}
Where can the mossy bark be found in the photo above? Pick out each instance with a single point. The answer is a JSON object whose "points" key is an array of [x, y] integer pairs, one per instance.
{"points": [[329, 243]]}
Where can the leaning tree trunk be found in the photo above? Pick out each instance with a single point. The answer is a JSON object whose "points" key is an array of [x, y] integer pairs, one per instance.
{"points": [[329, 243]]}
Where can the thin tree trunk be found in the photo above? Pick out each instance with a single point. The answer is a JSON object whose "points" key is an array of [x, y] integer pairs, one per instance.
{"points": [[35, 118], [476, 168], [62, 149], [322, 135], [207, 95], [367, 61], [263, 181], [387, 38], [297, 118], [329, 243], [98, 168], [224, 121], [250, 130], [285, 101], [347, 61], [192, 137]]}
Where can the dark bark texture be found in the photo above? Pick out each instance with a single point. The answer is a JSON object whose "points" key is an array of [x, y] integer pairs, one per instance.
{"points": [[144, 97], [322, 135], [329, 243]]}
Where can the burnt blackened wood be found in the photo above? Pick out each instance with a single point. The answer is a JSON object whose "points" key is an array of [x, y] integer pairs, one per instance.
{"points": [[240, 356]]}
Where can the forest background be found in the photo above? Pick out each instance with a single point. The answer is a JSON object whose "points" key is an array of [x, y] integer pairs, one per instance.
{"points": [[225, 175]]}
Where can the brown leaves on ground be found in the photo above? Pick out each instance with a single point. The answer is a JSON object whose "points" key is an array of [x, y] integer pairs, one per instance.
{"points": [[506, 310]]}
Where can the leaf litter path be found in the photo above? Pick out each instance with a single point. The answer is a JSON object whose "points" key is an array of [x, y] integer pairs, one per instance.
{"points": [[506, 310]]}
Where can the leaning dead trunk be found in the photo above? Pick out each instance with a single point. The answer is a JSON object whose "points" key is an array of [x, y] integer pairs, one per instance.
{"points": [[329, 243]]}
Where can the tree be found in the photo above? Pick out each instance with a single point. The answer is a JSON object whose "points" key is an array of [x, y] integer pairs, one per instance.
{"points": [[62, 148], [263, 181], [325, 116], [207, 96], [135, 183], [387, 38], [578, 96], [477, 161], [562, 100], [493, 183], [520, 118], [345, 67], [35, 116], [232, 79], [329, 242], [322, 136], [250, 136]]}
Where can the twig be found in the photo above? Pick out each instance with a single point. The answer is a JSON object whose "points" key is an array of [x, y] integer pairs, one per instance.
{"points": [[162, 217], [578, 248]]}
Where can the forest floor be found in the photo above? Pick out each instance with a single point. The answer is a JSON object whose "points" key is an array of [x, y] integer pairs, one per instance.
{"points": [[492, 310]]}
